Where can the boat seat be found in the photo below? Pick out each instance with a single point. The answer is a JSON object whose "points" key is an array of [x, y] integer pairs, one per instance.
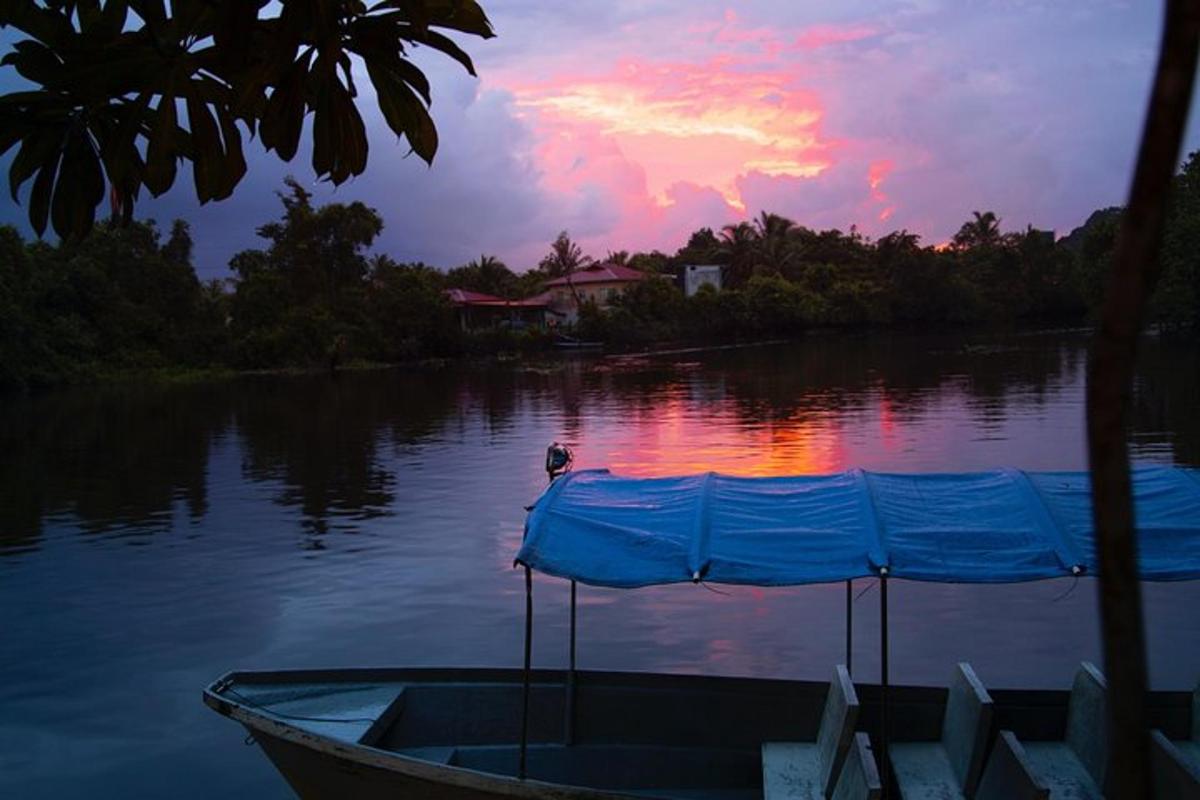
{"points": [[949, 768], [859, 777], [1075, 768], [1008, 774], [1060, 769], [1189, 749], [1175, 776], [809, 770]]}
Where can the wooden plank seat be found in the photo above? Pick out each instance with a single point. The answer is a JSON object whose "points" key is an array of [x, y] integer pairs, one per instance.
{"points": [[950, 768], [1175, 776], [809, 770], [1189, 749], [1075, 768], [1008, 774], [1177, 764], [859, 776]]}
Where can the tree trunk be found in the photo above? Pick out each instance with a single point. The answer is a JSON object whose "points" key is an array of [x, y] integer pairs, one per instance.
{"points": [[1110, 386]]}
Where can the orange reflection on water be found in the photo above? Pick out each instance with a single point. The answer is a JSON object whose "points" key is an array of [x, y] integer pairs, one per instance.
{"points": [[677, 438]]}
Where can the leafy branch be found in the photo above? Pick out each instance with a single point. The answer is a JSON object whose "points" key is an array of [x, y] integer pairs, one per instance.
{"points": [[110, 80]]}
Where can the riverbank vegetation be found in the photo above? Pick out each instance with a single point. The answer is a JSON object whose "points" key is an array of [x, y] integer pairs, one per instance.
{"points": [[128, 298]]}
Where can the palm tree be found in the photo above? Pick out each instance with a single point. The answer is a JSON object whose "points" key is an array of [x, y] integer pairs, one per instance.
{"points": [[736, 249], [493, 275], [982, 231], [775, 246], [564, 259]]}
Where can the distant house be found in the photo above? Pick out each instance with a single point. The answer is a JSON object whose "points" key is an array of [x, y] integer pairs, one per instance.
{"points": [[477, 310], [598, 283], [697, 275]]}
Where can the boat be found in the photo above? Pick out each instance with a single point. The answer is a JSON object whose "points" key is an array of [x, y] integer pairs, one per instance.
{"points": [[564, 342], [581, 735], [455, 733]]}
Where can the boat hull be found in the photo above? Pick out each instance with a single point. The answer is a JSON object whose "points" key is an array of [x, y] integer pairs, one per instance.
{"points": [[451, 734]]}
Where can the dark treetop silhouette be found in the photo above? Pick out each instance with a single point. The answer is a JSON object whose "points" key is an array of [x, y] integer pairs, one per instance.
{"points": [[108, 79]]}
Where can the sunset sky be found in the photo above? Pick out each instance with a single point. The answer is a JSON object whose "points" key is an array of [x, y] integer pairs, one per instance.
{"points": [[631, 124]]}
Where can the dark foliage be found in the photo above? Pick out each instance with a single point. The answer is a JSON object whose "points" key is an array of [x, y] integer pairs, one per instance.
{"points": [[128, 297], [109, 80]]}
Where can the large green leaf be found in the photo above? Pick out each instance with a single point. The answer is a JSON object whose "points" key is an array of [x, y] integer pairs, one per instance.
{"points": [[36, 152], [283, 115], [39, 197], [160, 154], [107, 83], [80, 187], [34, 61], [404, 112]]}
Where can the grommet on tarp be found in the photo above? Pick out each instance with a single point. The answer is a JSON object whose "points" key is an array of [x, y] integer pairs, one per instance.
{"points": [[1077, 570]]}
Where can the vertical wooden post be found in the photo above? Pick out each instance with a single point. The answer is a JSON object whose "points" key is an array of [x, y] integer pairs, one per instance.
{"points": [[528, 665], [1135, 270], [849, 626], [569, 720], [884, 730]]}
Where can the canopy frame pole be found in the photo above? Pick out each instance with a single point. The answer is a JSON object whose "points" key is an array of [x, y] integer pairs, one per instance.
{"points": [[884, 730], [528, 659], [849, 626], [569, 718]]}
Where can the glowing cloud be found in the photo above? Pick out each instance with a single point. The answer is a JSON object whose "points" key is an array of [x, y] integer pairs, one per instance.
{"points": [[703, 123], [876, 173], [825, 35]]}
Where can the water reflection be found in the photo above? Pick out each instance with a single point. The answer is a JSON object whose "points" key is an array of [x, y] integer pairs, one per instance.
{"points": [[298, 521], [121, 461]]}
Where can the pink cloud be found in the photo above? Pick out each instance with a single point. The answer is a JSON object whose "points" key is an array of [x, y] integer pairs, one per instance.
{"points": [[638, 152], [705, 123], [819, 36]]}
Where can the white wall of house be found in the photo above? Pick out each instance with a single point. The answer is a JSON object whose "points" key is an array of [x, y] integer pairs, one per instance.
{"points": [[697, 275]]}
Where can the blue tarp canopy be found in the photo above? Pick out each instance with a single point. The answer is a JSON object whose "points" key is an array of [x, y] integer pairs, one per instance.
{"points": [[987, 527]]}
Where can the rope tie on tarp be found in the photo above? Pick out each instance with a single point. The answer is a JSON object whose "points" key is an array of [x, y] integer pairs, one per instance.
{"points": [[698, 560]]}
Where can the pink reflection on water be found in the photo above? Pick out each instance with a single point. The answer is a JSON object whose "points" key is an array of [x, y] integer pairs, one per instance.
{"points": [[676, 438]]}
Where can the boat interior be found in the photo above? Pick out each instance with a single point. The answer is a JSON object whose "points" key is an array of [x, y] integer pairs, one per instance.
{"points": [[629, 734]]}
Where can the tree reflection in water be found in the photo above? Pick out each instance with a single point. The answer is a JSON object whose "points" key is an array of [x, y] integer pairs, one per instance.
{"points": [[126, 461]]}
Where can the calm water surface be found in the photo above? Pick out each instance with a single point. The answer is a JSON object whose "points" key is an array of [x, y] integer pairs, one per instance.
{"points": [[152, 538]]}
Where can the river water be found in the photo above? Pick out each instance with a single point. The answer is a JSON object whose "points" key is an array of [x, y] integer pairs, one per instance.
{"points": [[154, 537]]}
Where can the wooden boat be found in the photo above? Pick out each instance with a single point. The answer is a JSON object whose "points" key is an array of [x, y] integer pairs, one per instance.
{"points": [[563, 342], [448, 734], [454, 733]]}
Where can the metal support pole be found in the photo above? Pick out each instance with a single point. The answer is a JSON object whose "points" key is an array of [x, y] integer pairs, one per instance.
{"points": [[884, 731], [849, 626], [569, 720], [528, 659]]}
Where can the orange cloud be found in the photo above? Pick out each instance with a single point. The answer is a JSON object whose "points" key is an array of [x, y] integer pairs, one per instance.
{"points": [[875, 176], [877, 172], [703, 123]]}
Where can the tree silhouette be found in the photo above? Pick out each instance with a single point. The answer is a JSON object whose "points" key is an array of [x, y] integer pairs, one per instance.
{"points": [[982, 231], [775, 244], [109, 86], [564, 258], [736, 249]]}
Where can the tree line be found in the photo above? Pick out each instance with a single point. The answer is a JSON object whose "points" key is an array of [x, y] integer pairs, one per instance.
{"points": [[127, 297]]}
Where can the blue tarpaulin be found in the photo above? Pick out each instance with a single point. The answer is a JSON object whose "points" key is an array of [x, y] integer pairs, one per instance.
{"points": [[988, 527]]}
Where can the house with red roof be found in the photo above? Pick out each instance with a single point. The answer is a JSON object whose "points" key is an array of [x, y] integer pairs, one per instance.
{"points": [[597, 283], [479, 310]]}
